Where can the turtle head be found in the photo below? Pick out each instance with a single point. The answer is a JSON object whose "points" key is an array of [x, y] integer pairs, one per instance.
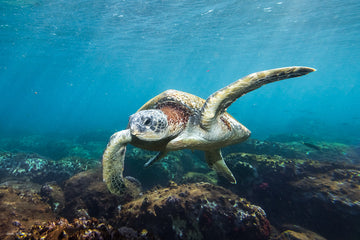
{"points": [[149, 125]]}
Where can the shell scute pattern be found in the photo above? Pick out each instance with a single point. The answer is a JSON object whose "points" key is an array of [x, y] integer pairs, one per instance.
{"points": [[178, 107], [192, 102], [177, 115]]}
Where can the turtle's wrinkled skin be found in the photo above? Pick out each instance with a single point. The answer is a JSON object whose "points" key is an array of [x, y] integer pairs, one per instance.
{"points": [[177, 120]]}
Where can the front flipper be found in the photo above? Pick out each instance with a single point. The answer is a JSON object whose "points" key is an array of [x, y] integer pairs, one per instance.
{"points": [[156, 158], [215, 160], [113, 162], [219, 101]]}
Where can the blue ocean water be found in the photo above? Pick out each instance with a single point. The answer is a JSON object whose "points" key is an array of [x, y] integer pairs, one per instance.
{"points": [[72, 72], [78, 66]]}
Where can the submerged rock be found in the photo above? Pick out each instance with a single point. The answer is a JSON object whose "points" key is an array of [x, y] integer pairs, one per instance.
{"points": [[52, 194], [321, 196], [339, 188], [21, 207], [300, 148], [35, 168], [196, 177], [284, 179], [294, 232], [331, 201], [195, 211], [62, 229], [257, 168], [79, 229], [87, 195]]}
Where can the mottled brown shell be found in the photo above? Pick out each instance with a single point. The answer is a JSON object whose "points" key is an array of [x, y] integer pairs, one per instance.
{"points": [[178, 107]]}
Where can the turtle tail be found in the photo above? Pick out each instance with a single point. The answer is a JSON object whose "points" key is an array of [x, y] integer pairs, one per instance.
{"points": [[113, 162]]}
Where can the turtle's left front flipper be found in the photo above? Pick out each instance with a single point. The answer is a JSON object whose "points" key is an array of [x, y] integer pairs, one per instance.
{"points": [[156, 158], [113, 162], [215, 160], [218, 102]]}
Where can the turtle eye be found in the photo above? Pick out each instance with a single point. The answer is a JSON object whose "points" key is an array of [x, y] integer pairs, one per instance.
{"points": [[147, 121]]}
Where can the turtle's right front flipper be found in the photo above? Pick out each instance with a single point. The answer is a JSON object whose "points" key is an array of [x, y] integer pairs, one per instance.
{"points": [[113, 162], [219, 101]]}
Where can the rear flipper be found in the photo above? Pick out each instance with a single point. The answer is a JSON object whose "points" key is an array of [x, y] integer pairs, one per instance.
{"points": [[215, 160]]}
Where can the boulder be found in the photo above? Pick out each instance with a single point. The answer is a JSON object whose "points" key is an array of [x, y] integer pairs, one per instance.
{"points": [[195, 211]]}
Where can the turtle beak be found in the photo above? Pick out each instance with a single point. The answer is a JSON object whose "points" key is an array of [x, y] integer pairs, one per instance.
{"points": [[132, 126], [134, 132]]}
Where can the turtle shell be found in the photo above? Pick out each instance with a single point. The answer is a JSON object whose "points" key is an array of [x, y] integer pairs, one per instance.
{"points": [[178, 107]]}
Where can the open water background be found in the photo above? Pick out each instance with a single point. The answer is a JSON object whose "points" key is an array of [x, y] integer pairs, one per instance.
{"points": [[69, 67]]}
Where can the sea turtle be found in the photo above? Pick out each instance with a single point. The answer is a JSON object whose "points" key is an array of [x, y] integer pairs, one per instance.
{"points": [[176, 120]]}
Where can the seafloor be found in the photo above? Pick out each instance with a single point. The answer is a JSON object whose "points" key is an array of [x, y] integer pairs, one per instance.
{"points": [[289, 187]]}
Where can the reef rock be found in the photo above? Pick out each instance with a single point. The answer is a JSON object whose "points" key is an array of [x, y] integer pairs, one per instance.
{"points": [[195, 211], [38, 169], [298, 148], [339, 187], [62, 229], [332, 199], [87, 195], [321, 196], [54, 196], [195, 177], [21, 207], [294, 232], [252, 169]]}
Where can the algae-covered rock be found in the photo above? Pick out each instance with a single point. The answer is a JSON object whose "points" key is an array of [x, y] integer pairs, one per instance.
{"points": [[294, 235], [195, 211], [258, 167], [38, 169], [294, 232], [196, 177], [333, 199], [299, 148], [339, 188], [322, 196], [87, 195], [52, 194], [62, 229], [21, 207]]}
